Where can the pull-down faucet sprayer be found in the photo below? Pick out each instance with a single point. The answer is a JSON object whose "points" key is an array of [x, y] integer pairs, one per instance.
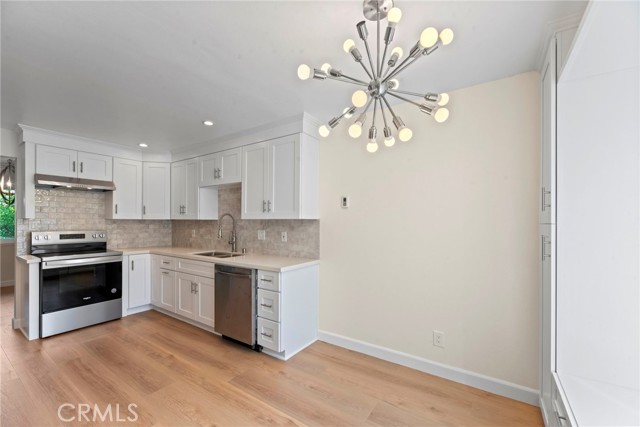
{"points": [[232, 238]]}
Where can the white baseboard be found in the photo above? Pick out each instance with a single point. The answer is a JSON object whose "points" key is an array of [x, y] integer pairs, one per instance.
{"points": [[483, 382], [16, 323]]}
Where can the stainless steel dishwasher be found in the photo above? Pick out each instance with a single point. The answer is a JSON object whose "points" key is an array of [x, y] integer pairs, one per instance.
{"points": [[235, 295]]}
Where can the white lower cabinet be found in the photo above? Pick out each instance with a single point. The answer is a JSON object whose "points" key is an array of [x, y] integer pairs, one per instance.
{"points": [[139, 289], [287, 310], [177, 290]]}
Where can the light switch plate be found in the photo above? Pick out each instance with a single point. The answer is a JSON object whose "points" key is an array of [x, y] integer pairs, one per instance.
{"points": [[344, 202], [261, 235]]}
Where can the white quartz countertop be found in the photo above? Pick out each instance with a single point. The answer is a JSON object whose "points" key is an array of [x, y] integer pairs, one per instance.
{"points": [[263, 262], [28, 259]]}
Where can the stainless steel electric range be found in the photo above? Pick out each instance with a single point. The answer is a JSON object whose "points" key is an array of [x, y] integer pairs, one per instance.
{"points": [[80, 280]]}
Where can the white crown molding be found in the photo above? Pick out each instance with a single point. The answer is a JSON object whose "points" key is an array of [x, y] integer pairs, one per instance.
{"points": [[553, 27], [473, 379]]}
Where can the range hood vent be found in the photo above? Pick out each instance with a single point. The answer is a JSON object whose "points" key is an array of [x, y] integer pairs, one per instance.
{"points": [[52, 181]]}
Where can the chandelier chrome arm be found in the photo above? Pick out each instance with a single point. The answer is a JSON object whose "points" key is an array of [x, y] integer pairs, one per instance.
{"points": [[350, 81], [404, 99], [363, 33], [406, 63]]}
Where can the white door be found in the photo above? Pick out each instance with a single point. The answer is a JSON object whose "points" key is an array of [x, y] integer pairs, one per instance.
{"points": [[156, 190], [284, 179], [127, 198], [208, 170], [230, 166], [95, 166], [184, 302], [56, 161], [191, 189], [205, 290], [254, 173], [139, 280], [167, 288], [177, 190]]}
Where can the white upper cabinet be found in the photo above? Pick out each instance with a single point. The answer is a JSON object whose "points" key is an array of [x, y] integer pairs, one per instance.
{"points": [[126, 201], [156, 190], [547, 193], [188, 201], [221, 168], [280, 179], [71, 163]]}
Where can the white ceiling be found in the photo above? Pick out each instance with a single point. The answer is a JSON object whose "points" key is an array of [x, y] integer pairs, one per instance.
{"points": [[130, 72]]}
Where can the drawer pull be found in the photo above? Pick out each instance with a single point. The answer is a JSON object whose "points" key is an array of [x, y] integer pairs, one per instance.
{"points": [[166, 262], [266, 335], [165, 272], [266, 280], [267, 305]]}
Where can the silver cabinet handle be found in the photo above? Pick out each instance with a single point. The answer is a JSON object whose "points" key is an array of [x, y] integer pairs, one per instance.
{"points": [[165, 272], [264, 206], [81, 167], [266, 280], [267, 305], [144, 210], [545, 242], [268, 205], [266, 335], [116, 208], [132, 265], [545, 205], [219, 173], [73, 166], [166, 262]]}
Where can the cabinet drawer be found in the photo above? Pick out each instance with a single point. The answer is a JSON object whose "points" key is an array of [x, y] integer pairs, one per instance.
{"points": [[269, 334], [167, 262], [269, 305], [199, 268], [269, 280]]}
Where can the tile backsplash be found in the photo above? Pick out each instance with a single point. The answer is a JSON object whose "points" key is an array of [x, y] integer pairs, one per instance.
{"points": [[80, 210], [303, 236], [84, 210]]}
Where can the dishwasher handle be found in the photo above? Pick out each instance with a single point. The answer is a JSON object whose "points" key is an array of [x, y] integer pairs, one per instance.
{"points": [[226, 273], [234, 271]]}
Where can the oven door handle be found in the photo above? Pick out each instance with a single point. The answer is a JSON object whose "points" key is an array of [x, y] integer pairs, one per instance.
{"points": [[47, 265]]}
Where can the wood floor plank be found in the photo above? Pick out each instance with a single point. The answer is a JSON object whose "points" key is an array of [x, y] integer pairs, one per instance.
{"points": [[180, 375]]}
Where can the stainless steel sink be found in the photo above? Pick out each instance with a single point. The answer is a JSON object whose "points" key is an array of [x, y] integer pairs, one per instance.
{"points": [[217, 254]]}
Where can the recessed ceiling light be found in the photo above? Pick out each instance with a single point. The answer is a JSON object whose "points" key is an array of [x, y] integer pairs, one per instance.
{"points": [[143, 145], [207, 123]]}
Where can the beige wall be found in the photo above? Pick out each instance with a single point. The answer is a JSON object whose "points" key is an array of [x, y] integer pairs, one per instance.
{"points": [[441, 234], [302, 235]]}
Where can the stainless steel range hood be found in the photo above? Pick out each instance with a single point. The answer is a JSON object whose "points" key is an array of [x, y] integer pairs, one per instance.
{"points": [[52, 181]]}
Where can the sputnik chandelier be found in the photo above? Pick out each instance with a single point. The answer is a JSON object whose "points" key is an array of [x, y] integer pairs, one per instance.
{"points": [[7, 192], [381, 81]]}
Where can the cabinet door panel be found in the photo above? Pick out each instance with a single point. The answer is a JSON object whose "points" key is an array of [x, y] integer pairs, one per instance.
{"points": [[230, 165], [167, 297], [127, 198], [139, 280], [204, 312], [95, 166], [56, 161], [253, 180], [208, 166], [156, 194], [177, 189], [191, 189], [184, 295], [547, 152], [284, 182]]}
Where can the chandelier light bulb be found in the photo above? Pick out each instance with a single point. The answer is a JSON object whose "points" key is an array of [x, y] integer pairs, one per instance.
{"points": [[397, 51], [446, 36], [359, 98], [429, 37], [347, 116], [372, 146], [443, 99], [304, 72], [324, 131], [348, 45], [394, 16], [405, 134], [394, 84], [441, 115], [326, 67], [355, 130], [390, 141]]}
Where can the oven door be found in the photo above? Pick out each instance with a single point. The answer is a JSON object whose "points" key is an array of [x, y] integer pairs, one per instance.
{"points": [[77, 282]]}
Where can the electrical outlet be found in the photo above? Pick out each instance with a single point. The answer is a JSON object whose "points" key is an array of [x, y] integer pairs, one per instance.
{"points": [[283, 236], [193, 233], [261, 235], [438, 339]]}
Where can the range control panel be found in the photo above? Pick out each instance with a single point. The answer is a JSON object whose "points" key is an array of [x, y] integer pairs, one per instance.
{"points": [[40, 237]]}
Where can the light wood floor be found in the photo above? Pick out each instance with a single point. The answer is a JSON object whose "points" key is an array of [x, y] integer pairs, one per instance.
{"points": [[179, 375]]}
